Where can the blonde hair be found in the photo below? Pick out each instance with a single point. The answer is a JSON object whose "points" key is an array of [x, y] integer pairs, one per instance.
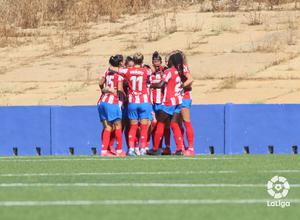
{"points": [[138, 58]]}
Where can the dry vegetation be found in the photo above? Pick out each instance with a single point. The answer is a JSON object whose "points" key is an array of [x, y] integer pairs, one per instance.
{"points": [[57, 48], [70, 19]]}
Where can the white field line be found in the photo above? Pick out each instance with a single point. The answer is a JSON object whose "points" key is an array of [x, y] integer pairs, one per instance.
{"points": [[23, 159], [117, 173], [141, 173], [160, 185], [281, 171], [138, 202]]}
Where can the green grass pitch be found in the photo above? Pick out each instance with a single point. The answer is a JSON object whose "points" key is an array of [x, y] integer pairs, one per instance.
{"points": [[202, 187]]}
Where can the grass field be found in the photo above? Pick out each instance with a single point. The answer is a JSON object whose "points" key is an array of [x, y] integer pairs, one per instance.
{"points": [[204, 187]]}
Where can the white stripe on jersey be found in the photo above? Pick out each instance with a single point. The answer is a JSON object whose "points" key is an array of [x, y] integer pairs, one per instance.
{"points": [[137, 99], [173, 101], [130, 98], [104, 98], [165, 94], [180, 99], [168, 76], [145, 98], [111, 99], [158, 96]]}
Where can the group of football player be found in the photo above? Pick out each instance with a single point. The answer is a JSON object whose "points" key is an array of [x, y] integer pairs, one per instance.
{"points": [[146, 102]]}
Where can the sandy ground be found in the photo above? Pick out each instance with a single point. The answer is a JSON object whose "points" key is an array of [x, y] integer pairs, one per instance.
{"points": [[230, 60]]}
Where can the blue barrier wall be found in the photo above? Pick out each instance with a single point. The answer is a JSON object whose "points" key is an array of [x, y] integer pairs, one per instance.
{"points": [[75, 127], [24, 128], [208, 123], [228, 128], [260, 126]]}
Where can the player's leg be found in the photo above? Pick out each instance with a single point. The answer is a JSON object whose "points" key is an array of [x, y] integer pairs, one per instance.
{"points": [[154, 123], [119, 138], [177, 131], [151, 129], [126, 127], [137, 140], [115, 117], [149, 135], [186, 116], [133, 117], [167, 137], [112, 141], [145, 117], [162, 119], [107, 128]]}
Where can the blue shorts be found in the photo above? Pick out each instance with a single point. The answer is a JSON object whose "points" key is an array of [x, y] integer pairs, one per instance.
{"points": [[125, 112], [109, 112], [187, 103], [156, 107], [138, 111], [172, 109]]}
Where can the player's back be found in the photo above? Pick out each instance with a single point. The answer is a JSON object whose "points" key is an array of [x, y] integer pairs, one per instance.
{"points": [[111, 81], [173, 90], [137, 79]]}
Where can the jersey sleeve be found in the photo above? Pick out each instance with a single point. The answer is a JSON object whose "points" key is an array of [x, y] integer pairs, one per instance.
{"points": [[167, 76], [104, 75]]}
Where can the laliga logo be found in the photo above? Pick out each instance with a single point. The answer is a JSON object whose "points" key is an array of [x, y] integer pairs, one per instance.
{"points": [[278, 187]]}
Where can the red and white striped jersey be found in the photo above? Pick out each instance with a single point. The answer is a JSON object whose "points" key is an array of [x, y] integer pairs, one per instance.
{"points": [[157, 94], [138, 79], [187, 93], [111, 80], [173, 90]]}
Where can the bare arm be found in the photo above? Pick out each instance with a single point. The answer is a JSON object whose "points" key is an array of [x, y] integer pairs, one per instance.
{"points": [[101, 83], [189, 81], [157, 85]]}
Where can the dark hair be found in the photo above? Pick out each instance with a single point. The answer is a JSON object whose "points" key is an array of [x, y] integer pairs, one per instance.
{"points": [[120, 57], [129, 58], [138, 58], [156, 56], [177, 61], [116, 60]]}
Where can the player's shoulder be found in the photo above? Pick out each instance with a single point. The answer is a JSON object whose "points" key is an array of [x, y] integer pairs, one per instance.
{"points": [[123, 70], [106, 72], [169, 71], [186, 69]]}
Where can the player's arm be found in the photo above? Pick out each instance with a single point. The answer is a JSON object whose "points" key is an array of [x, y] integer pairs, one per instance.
{"points": [[109, 90], [101, 83], [166, 77], [121, 94], [158, 85], [189, 81]]}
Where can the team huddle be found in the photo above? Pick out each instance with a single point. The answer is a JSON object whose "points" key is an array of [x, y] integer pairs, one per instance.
{"points": [[146, 102]]}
